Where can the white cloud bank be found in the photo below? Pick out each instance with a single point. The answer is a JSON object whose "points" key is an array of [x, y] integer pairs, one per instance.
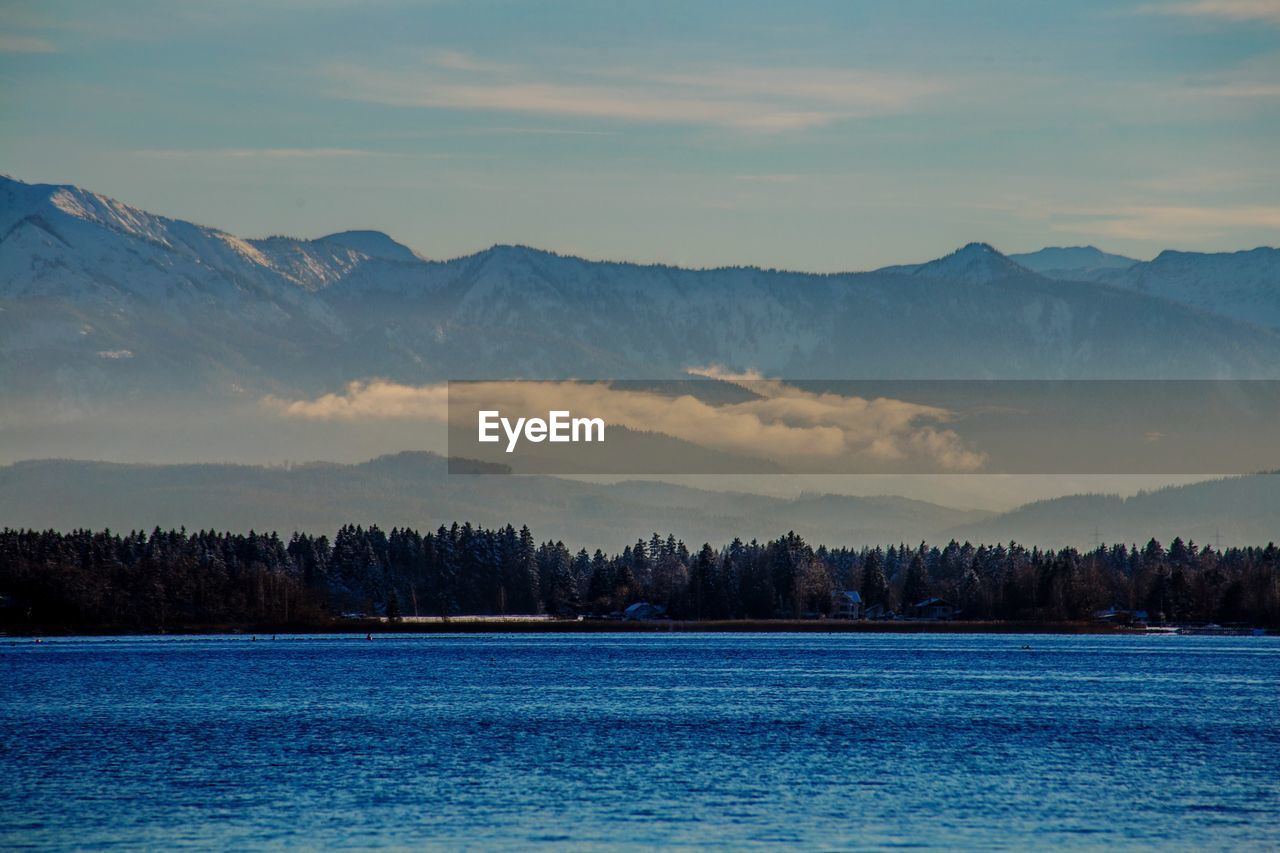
{"points": [[780, 422], [375, 399], [1226, 10], [745, 98]]}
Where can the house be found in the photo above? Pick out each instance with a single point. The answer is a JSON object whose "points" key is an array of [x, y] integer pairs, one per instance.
{"points": [[1118, 616], [876, 611], [846, 604], [643, 610], [933, 608]]}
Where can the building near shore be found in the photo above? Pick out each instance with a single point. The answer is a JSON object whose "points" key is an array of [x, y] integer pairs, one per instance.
{"points": [[643, 610], [846, 604], [933, 608]]}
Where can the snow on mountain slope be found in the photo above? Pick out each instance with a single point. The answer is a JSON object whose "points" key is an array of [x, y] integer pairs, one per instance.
{"points": [[1242, 285], [973, 263], [518, 311], [71, 234], [62, 241], [106, 302]]}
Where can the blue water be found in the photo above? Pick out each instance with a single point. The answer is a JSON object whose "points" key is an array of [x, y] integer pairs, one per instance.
{"points": [[822, 741]]}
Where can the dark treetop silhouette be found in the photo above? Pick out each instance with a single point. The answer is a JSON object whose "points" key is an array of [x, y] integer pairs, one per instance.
{"points": [[172, 579]]}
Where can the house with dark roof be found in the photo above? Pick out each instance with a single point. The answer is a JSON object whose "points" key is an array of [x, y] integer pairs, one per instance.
{"points": [[643, 610], [846, 604], [877, 611], [933, 608]]}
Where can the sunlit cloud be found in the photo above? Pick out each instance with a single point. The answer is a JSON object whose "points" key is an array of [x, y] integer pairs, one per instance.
{"points": [[25, 44], [375, 399], [778, 422], [1226, 10], [750, 98], [1171, 223]]}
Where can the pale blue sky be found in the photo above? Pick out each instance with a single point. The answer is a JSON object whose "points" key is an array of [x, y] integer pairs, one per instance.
{"points": [[821, 135]]}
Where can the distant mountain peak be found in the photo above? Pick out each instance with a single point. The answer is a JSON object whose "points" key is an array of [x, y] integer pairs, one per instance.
{"points": [[1266, 254], [96, 209], [519, 250], [374, 244], [972, 263], [1060, 261], [975, 249]]}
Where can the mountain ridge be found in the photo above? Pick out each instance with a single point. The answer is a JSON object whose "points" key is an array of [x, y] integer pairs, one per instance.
{"points": [[1243, 285], [412, 488], [974, 262], [108, 309], [1069, 261], [1059, 258], [1239, 509]]}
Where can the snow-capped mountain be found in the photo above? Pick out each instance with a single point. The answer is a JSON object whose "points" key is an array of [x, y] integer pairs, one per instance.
{"points": [[61, 240], [102, 303], [1241, 285]]}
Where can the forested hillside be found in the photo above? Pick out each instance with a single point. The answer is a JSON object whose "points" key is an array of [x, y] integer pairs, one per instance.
{"points": [[170, 579]]}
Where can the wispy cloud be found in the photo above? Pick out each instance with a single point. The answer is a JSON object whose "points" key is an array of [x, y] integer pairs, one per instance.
{"points": [[536, 131], [1247, 82], [1242, 89], [25, 44], [751, 98], [770, 178], [257, 153], [1224, 10], [376, 399], [1171, 223]]}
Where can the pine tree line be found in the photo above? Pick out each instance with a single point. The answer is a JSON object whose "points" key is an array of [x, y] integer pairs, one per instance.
{"points": [[175, 578]]}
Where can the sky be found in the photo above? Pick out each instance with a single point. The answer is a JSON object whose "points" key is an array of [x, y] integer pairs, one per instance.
{"points": [[817, 135]]}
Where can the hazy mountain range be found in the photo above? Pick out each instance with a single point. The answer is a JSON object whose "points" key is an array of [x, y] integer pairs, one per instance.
{"points": [[1241, 285], [103, 302], [412, 489], [124, 334]]}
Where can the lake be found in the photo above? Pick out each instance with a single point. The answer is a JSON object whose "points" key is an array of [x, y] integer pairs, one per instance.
{"points": [[815, 740]]}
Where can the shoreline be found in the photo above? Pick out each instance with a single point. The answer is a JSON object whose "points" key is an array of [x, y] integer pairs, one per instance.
{"points": [[463, 625]]}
